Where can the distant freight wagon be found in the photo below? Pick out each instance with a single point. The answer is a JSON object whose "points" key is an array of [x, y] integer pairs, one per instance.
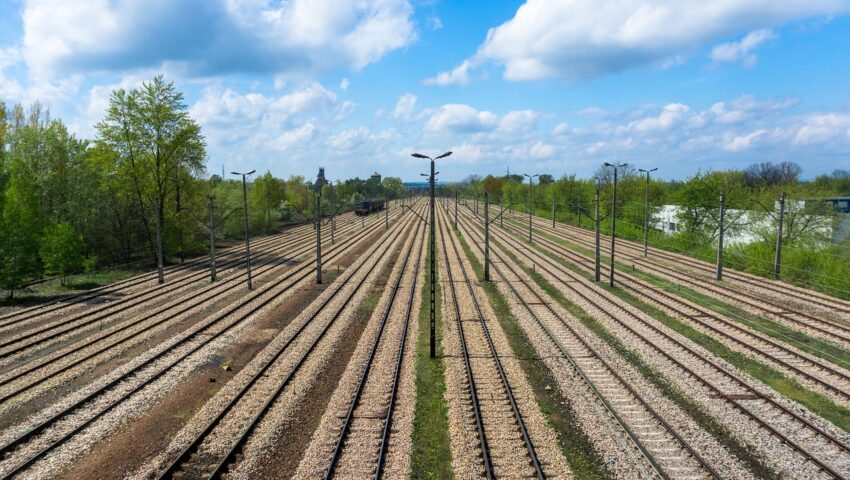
{"points": [[368, 207]]}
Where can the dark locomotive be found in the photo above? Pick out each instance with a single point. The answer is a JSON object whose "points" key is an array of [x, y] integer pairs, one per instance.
{"points": [[368, 207]]}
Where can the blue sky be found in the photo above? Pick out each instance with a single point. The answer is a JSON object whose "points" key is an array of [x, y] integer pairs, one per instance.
{"points": [[539, 86]]}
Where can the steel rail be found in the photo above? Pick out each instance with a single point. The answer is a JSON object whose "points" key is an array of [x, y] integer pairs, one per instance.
{"points": [[355, 401], [690, 372], [305, 271], [644, 288], [517, 415]]}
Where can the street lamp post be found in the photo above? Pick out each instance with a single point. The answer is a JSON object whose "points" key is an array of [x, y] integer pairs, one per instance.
{"points": [[530, 186], [433, 253], [646, 212], [613, 219], [245, 210], [596, 270]]}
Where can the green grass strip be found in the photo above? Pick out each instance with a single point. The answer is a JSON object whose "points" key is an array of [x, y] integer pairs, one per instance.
{"points": [[431, 457], [576, 446], [745, 453], [775, 379]]}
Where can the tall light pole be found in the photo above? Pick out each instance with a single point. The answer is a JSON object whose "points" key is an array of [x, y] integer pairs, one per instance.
{"points": [[433, 248], [320, 182], [530, 186], [245, 210], [646, 212], [613, 219]]}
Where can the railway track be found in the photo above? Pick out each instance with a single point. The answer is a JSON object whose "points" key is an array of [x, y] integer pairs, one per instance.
{"points": [[25, 445], [506, 447], [804, 437], [193, 461], [825, 376], [81, 299], [226, 262], [103, 316], [364, 432], [817, 325], [35, 373], [780, 291], [665, 453]]}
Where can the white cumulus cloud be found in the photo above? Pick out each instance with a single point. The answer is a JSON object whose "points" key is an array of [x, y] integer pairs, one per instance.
{"points": [[733, 52]]}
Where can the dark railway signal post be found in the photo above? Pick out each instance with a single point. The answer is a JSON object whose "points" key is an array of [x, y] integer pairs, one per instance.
{"points": [[245, 211], [613, 218], [320, 182], [433, 253], [646, 212], [720, 228], [212, 238], [486, 238], [530, 186]]}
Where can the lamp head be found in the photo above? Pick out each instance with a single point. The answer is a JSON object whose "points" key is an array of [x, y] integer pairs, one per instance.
{"points": [[419, 155], [444, 155]]}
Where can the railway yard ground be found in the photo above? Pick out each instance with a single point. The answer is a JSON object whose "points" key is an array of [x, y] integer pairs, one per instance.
{"points": [[540, 371]]}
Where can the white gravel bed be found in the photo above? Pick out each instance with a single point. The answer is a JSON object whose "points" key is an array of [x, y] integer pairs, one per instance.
{"points": [[221, 438], [508, 452], [621, 458], [750, 338], [359, 455], [770, 447], [802, 297], [141, 400], [57, 359], [765, 301]]}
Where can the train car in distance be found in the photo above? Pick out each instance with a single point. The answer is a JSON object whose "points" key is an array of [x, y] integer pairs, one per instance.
{"points": [[368, 207]]}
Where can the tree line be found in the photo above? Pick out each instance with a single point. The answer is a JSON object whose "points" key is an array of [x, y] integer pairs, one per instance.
{"points": [[137, 194]]}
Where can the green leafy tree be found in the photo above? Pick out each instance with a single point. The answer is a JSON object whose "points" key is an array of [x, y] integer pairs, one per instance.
{"points": [[61, 250], [18, 237], [155, 139]]}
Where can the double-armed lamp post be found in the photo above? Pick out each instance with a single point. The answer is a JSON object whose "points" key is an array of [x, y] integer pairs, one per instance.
{"points": [[433, 251], [247, 241]]}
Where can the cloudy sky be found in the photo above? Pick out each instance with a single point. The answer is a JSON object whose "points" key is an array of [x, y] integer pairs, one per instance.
{"points": [[538, 86]]}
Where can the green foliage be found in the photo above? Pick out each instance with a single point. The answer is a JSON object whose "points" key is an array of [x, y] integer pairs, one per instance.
{"points": [[60, 249]]}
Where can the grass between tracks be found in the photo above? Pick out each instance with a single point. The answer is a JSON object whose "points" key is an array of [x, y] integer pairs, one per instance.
{"points": [[802, 341], [745, 453], [431, 457], [74, 284], [575, 444], [789, 387]]}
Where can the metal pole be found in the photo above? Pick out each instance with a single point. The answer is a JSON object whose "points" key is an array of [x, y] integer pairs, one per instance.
{"points": [[720, 239], [159, 259], [319, 237], [433, 270], [486, 238], [333, 215], [456, 195], [386, 213], [530, 186], [212, 240], [598, 256], [553, 206], [247, 238], [646, 219], [777, 264], [613, 227]]}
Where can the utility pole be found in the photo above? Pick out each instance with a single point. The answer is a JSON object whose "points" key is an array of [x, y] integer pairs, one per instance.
{"points": [[212, 239], [433, 253], [646, 213], [386, 212], [530, 186], [245, 215], [333, 213], [597, 275], [486, 238], [720, 239], [320, 182], [613, 219], [456, 195], [553, 205], [777, 264], [159, 261]]}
